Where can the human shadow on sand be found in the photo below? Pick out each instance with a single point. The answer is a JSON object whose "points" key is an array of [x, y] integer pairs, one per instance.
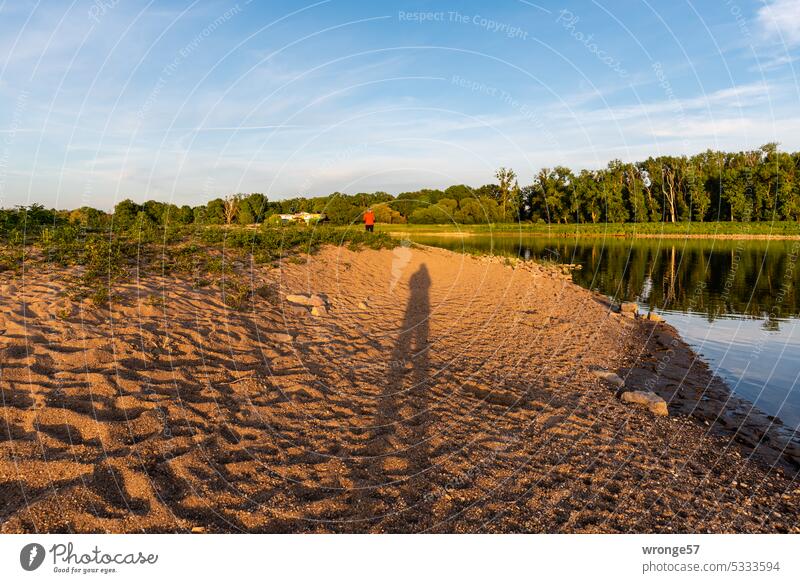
{"points": [[399, 449]]}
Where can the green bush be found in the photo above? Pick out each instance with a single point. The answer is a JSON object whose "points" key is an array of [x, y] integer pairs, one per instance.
{"points": [[206, 252]]}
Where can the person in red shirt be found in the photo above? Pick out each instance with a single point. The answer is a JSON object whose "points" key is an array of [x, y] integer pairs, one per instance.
{"points": [[369, 220]]}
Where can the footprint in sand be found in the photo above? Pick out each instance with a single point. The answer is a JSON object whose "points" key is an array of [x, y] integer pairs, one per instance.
{"points": [[401, 256]]}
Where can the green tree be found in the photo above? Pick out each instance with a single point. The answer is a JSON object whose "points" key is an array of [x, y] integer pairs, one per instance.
{"points": [[343, 210], [458, 192], [506, 179], [215, 212], [125, 213], [185, 215]]}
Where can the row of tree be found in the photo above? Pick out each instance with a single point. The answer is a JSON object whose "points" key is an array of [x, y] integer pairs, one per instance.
{"points": [[757, 185]]}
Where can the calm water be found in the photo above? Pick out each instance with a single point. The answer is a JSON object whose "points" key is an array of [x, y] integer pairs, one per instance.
{"points": [[735, 302]]}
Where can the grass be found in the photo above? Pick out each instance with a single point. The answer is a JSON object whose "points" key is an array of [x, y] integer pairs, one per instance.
{"points": [[692, 229]]}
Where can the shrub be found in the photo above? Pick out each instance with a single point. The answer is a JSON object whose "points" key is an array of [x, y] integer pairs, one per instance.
{"points": [[208, 255], [235, 293], [269, 292]]}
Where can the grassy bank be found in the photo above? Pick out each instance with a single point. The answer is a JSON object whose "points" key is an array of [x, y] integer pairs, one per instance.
{"points": [[760, 230], [204, 253]]}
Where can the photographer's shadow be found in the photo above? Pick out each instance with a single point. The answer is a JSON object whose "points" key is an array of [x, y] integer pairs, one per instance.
{"points": [[400, 443]]}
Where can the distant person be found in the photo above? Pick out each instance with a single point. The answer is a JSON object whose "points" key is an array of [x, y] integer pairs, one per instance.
{"points": [[369, 220]]}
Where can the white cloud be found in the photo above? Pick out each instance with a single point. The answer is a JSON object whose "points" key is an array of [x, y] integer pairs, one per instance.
{"points": [[779, 20], [730, 101]]}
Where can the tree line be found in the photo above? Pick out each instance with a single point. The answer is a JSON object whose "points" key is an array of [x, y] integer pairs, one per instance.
{"points": [[756, 185]]}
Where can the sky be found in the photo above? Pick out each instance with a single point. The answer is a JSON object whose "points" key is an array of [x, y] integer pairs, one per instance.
{"points": [[185, 101]]}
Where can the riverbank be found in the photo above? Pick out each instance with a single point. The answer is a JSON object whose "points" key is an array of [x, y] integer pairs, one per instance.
{"points": [[778, 231], [428, 391]]}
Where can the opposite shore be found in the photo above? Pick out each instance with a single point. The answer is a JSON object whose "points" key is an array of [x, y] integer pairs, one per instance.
{"points": [[728, 231]]}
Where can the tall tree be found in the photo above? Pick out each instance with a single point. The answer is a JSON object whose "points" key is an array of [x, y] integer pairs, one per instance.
{"points": [[231, 203], [505, 178]]}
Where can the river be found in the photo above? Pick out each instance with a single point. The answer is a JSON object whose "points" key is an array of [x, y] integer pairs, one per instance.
{"points": [[734, 301]]}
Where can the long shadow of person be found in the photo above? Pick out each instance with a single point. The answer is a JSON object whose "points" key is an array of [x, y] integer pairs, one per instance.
{"points": [[403, 417]]}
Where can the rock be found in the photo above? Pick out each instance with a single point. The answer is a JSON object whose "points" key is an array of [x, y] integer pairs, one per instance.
{"points": [[653, 402], [297, 310], [319, 311], [609, 376], [198, 529], [298, 299], [281, 337], [653, 317], [363, 306], [305, 300], [629, 308]]}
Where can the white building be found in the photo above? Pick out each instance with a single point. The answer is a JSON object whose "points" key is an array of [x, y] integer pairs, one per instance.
{"points": [[297, 217]]}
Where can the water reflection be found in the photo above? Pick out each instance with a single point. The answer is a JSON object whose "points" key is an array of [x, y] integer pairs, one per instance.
{"points": [[711, 277]]}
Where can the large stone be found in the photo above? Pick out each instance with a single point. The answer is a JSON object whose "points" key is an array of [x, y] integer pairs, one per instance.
{"points": [[629, 308], [281, 337], [649, 399], [319, 311], [653, 317], [305, 300], [610, 377]]}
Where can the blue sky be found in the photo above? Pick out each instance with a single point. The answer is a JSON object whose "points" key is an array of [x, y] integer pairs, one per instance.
{"points": [[185, 101]]}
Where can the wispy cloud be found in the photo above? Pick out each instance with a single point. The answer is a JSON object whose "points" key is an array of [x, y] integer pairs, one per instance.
{"points": [[325, 100], [779, 21], [732, 98]]}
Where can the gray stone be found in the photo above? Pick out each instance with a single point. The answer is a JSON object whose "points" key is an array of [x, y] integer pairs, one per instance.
{"points": [[609, 376], [649, 399]]}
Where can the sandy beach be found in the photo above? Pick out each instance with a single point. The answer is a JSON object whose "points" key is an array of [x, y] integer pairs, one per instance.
{"points": [[427, 392]]}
